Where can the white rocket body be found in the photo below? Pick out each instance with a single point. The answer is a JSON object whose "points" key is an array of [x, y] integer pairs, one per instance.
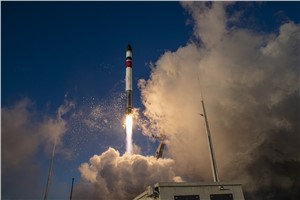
{"points": [[128, 80]]}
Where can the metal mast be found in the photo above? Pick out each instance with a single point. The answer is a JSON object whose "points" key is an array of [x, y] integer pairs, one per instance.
{"points": [[210, 145], [160, 149], [50, 172], [71, 193]]}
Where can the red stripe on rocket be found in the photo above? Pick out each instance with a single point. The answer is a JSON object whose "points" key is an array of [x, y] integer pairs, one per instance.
{"points": [[128, 63]]}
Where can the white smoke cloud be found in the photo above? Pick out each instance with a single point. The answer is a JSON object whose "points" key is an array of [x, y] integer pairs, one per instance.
{"points": [[112, 176], [53, 129], [209, 21], [245, 76]]}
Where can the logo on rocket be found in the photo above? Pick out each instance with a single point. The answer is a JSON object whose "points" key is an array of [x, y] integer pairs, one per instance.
{"points": [[128, 80]]}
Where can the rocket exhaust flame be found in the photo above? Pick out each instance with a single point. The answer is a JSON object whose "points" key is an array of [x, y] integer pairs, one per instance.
{"points": [[129, 134]]}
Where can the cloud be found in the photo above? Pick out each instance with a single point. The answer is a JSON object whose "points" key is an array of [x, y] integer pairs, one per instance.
{"points": [[250, 82], [112, 176], [209, 20], [24, 132], [18, 143], [52, 129]]}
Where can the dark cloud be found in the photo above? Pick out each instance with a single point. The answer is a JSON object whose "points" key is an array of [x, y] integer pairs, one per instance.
{"points": [[277, 157]]}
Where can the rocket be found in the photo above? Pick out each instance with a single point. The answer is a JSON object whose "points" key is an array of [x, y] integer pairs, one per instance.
{"points": [[128, 80]]}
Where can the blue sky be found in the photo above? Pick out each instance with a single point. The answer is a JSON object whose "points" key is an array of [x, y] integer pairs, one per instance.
{"points": [[50, 49], [58, 52], [82, 44]]}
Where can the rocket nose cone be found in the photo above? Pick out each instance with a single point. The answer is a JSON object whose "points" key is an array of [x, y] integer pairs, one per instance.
{"points": [[129, 48]]}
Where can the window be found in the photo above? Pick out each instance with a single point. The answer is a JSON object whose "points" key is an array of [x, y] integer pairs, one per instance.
{"points": [[221, 197], [187, 197]]}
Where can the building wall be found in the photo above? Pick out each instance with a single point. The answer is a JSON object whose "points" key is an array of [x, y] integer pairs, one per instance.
{"points": [[195, 191]]}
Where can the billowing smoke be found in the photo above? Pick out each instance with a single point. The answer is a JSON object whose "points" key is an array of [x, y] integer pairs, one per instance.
{"points": [[112, 176], [23, 133], [250, 82]]}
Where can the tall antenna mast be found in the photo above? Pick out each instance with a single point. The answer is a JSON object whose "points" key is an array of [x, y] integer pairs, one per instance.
{"points": [[71, 193], [210, 145], [50, 171]]}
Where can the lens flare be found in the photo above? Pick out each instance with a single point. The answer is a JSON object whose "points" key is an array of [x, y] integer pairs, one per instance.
{"points": [[129, 134]]}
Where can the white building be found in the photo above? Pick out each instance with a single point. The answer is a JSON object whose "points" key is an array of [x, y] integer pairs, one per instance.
{"points": [[193, 191]]}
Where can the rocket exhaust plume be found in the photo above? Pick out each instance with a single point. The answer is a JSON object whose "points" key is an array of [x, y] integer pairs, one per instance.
{"points": [[129, 134], [129, 99]]}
